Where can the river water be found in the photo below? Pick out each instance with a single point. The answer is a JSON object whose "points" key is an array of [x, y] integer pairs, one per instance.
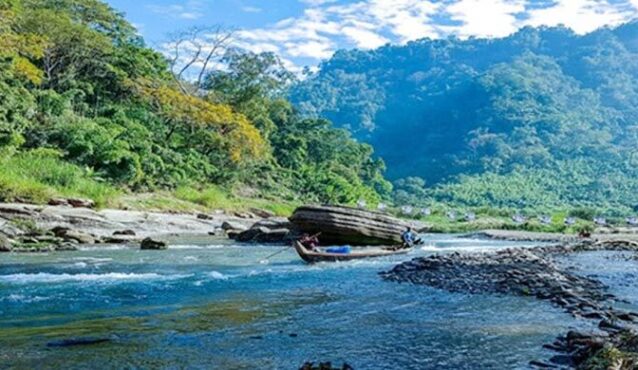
{"points": [[211, 304]]}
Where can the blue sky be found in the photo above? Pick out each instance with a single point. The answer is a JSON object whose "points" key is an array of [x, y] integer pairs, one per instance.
{"points": [[303, 32]]}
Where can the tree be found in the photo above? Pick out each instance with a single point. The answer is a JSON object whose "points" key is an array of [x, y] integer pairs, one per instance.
{"points": [[193, 52]]}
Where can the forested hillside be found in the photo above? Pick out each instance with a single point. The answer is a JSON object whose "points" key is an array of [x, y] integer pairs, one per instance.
{"points": [[542, 118], [87, 109]]}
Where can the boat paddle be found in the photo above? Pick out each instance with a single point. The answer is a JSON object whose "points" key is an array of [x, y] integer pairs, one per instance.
{"points": [[265, 261]]}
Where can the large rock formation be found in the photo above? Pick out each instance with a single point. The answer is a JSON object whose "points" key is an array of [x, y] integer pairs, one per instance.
{"points": [[342, 225]]}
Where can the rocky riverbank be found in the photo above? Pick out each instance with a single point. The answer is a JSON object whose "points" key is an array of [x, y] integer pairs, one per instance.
{"points": [[533, 272], [32, 228], [602, 234]]}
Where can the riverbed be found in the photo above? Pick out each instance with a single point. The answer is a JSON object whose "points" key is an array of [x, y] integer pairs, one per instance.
{"points": [[209, 303]]}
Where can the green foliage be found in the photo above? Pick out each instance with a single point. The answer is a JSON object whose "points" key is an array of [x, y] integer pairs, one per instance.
{"points": [[39, 175], [542, 119], [76, 79]]}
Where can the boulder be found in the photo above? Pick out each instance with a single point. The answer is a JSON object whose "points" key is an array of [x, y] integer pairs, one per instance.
{"points": [[344, 225], [124, 232], [119, 239], [245, 215], [271, 230], [232, 225], [73, 202], [263, 235], [81, 203], [233, 234], [262, 213], [73, 235], [153, 244], [5, 244], [204, 216], [274, 223], [58, 202]]}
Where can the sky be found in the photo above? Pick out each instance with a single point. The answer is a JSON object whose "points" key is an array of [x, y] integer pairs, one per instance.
{"points": [[304, 32]]}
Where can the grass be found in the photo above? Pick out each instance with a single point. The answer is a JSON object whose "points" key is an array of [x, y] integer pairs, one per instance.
{"points": [[37, 176], [213, 197], [210, 198]]}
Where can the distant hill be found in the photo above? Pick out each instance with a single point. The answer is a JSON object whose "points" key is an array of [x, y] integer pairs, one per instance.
{"points": [[543, 117]]}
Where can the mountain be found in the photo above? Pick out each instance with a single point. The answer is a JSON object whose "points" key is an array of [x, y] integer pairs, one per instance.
{"points": [[542, 118]]}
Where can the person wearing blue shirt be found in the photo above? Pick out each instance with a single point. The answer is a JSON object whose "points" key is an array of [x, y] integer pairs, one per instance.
{"points": [[408, 237]]}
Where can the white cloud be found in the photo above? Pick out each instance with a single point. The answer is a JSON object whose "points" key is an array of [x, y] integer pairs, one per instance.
{"points": [[364, 38], [580, 15], [309, 49], [326, 25], [485, 18], [191, 10], [317, 2], [308, 36], [251, 9]]}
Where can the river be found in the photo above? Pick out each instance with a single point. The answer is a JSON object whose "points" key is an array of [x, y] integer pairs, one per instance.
{"points": [[212, 304]]}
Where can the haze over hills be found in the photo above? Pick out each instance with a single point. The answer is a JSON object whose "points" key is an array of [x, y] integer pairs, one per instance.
{"points": [[543, 117]]}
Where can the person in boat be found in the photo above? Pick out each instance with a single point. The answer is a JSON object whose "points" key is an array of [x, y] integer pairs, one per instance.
{"points": [[408, 238], [310, 242]]}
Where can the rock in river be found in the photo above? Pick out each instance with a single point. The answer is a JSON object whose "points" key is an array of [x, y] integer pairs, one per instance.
{"points": [[153, 244], [343, 225], [272, 230]]}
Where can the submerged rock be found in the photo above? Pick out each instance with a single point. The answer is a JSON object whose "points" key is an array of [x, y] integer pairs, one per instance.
{"points": [[153, 244], [324, 366], [77, 342], [532, 272], [343, 225], [511, 271]]}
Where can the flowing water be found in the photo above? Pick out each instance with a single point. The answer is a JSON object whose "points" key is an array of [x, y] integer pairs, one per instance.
{"points": [[213, 305]]}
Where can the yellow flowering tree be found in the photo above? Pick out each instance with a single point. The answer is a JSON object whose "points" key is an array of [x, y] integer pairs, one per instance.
{"points": [[208, 126]]}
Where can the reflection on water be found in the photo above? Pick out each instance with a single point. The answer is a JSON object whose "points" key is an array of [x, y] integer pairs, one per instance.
{"points": [[214, 305]]}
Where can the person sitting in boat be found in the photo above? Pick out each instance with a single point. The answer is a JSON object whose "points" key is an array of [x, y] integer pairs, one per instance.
{"points": [[310, 242], [408, 237]]}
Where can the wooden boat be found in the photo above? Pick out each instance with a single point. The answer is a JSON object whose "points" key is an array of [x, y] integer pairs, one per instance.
{"points": [[370, 252]]}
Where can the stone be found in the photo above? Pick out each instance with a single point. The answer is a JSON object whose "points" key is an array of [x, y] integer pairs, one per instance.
{"points": [[232, 225], [58, 202], [66, 247], [124, 232], [262, 213], [344, 225], [118, 239], [153, 244], [263, 235], [274, 223], [15, 210], [5, 244], [78, 236], [81, 203], [244, 215], [77, 342], [60, 231], [203, 216]]}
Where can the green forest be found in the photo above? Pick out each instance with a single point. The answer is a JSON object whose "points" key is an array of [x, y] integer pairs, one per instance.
{"points": [[87, 109], [541, 120]]}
